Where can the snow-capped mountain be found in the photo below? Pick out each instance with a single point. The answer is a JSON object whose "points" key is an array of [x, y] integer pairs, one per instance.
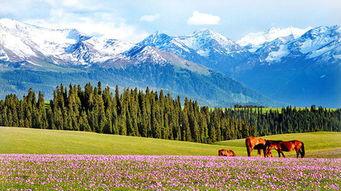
{"points": [[273, 51], [25, 42], [149, 54], [207, 42], [302, 70], [41, 58], [204, 47], [201, 43], [317, 42], [281, 63], [297, 66]]}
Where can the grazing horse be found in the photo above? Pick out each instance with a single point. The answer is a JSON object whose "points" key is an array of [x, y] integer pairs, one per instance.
{"points": [[272, 143], [287, 146], [226, 152], [255, 143]]}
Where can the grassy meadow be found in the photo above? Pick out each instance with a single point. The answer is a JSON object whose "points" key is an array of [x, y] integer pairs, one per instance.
{"points": [[37, 141], [36, 159]]}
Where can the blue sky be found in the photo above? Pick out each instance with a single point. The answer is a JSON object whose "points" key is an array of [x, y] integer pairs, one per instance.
{"points": [[134, 19]]}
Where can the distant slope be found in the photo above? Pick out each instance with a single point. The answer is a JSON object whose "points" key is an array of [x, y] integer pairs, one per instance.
{"points": [[317, 144], [24, 140], [213, 89]]}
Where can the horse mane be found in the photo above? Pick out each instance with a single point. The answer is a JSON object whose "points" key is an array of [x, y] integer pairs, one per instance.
{"points": [[269, 142], [275, 141]]}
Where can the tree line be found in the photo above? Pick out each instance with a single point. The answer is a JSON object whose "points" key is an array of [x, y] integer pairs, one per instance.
{"points": [[154, 114]]}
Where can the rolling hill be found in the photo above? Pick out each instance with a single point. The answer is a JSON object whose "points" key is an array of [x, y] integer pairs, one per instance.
{"points": [[36, 141]]}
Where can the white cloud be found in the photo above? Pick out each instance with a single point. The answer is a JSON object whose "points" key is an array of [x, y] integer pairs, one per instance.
{"points": [[198, 18], [149, 18], [258, 38], [71, 3], [88, 18], [104, 25]]}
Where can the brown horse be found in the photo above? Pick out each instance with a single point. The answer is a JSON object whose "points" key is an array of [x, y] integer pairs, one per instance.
{"points": [[226, 152], [272, 144], [255, 143], [287, 146]]}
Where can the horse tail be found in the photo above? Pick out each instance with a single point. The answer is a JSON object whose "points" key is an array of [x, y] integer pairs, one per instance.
{"points": [[247, 144], [302, 150]]}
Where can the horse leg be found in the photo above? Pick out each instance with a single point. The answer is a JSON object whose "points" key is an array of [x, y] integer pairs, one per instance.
{"points": [[249, 150], [298, 152], [279, 153], [264, 150], [259, 151], [248, 146], [282, 154], [302, 150]]}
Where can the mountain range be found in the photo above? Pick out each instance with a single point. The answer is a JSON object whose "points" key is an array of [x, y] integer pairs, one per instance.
{"points": [[278, 67]]}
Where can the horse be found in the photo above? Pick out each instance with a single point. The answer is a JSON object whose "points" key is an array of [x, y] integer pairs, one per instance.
{"points": [[272, 144], [226, 152], [287, 146], [258, 143]]}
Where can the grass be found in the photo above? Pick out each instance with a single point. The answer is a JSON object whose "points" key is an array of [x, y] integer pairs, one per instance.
{"points": [[36, 141]]}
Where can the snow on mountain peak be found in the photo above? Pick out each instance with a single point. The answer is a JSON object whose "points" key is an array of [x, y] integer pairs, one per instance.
{"points": [[319, 40], [151, 54], [203, 42], [13, 24], [323, 31], [76, 35], [157, 39], [207, 34], [24, 42], [61, 45], [7, 22], [206, 41], [258, 38]]}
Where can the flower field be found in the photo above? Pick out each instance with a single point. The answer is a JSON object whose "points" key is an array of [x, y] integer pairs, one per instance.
{"points": [[137, 172]]}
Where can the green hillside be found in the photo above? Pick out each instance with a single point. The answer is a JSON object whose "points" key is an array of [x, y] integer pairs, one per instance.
{"points": [[25, 140]]}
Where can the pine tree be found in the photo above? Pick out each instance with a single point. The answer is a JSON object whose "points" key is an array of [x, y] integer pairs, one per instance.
{"points": [[83, 122]]}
